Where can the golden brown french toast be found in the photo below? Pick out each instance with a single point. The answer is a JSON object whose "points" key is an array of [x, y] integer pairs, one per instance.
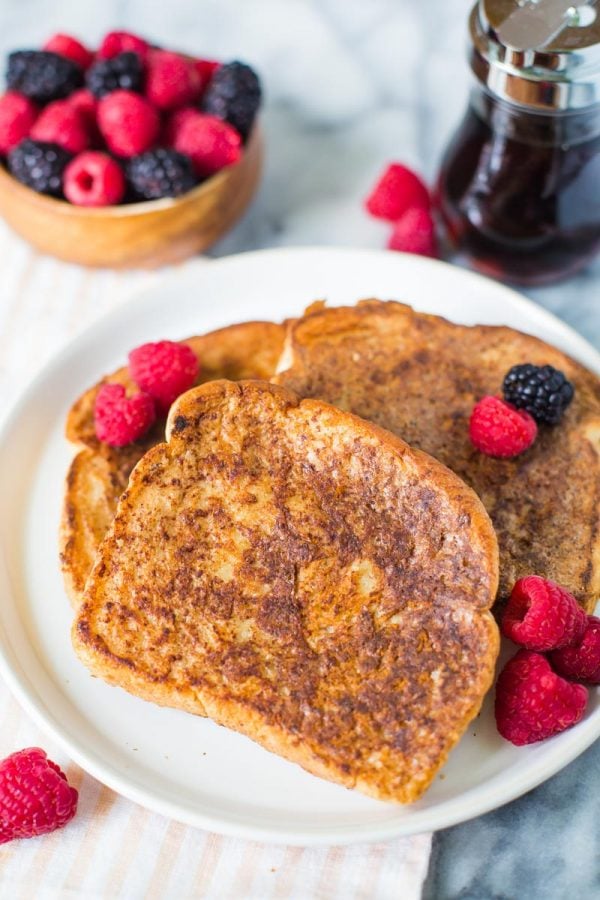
{"points": [[419, 376], [99, 473], [304, 577]]}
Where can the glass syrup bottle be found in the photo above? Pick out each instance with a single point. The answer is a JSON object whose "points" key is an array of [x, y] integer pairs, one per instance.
{"points": [[519, 186]]}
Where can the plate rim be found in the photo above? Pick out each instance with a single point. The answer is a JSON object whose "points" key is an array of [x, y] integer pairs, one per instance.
{"points": [[448, 812]]}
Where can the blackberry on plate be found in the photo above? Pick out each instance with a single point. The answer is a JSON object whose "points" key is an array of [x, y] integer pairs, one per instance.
{"points": [[41, 75], [160, 173], [123, 72], [542, 391], [234, 94], [39, 165]]}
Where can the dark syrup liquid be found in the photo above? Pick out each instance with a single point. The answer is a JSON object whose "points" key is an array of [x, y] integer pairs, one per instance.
{"points": [[519, 192]]}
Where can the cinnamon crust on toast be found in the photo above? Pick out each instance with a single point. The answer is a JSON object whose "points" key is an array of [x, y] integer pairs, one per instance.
{"points": [[419, 376], [99, 474], [303, 577]]}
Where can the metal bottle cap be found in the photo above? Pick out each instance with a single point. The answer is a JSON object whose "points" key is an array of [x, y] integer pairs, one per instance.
{"points": [[543, 54]]}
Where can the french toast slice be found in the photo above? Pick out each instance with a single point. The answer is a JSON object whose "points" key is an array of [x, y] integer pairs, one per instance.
{"points": [[99, 474], [303, 577], [419, 376]]}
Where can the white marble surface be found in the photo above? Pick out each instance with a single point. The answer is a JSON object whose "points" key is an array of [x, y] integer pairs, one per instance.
{"points": [[350, 85]]}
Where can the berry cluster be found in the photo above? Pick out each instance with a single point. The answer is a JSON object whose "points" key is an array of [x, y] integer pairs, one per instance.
{"points": [[539, 695], [532, 395], [130, 122], [162, 371], [402, 198]]}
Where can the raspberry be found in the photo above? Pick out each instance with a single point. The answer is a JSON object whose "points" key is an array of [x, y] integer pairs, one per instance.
{"points": [[210, 143], [174, 123], [119, 73], [160, 173], [164, 370], [94, 179], [498, 429], [70, 48], [129, 124], [533, 702], [414, 232], [205, 68], [233, 94], [42, 76], [542, 390], [398, 190], [35, 796], [39, 165], [171, 80], [116, 42], [120, 420], [17, 115], [541, 615], [86, 103], [63, 124], [581, 662]]}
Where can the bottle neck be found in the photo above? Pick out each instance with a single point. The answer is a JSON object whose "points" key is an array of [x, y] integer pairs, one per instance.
{"points": [[532, 126]]}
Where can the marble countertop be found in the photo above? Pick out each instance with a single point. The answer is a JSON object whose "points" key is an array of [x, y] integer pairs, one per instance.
{"points": [[351, 85]]}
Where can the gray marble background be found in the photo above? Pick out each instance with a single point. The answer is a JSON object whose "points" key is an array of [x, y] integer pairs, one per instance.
{"points": [[350, 85]]}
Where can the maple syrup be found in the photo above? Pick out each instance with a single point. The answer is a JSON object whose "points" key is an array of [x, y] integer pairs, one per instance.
{"points": [[519, 185]]}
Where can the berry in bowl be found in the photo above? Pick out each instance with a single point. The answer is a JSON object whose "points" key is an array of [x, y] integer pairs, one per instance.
{"points": [[132, 155]]}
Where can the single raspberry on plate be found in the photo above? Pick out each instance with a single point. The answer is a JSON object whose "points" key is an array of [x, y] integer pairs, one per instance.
{"points": [[164, 370], [128, 123], [581, 662], [17, 115], [119, 419], [70, 48], [533, 702], [498, 429], [63, 124], [210, 143], [94, 179], [116, 42], [171, 80], [414, 232], [35, 796], [398, 190], [541, 615]]}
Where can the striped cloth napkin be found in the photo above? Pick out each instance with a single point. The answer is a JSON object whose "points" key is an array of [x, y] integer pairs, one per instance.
{"points": [[113, 848]]}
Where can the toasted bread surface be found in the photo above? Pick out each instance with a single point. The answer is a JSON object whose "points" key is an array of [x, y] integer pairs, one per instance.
{"points": [[419, 376], [304, 577], [99, 474]]}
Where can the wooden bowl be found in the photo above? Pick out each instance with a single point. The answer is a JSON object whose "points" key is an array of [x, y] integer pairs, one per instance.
{"points": [[135, 234]]}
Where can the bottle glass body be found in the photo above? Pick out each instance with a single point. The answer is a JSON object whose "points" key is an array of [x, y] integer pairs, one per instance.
{"points": [[519, 190]]}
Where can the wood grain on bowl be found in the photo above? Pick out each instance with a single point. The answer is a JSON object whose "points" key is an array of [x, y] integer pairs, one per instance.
{"points": [[147, 234]]}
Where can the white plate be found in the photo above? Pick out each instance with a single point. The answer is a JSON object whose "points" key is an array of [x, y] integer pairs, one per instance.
{"points": [[187, 767]]}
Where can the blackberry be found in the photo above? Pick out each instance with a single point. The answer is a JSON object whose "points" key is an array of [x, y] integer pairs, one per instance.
{"points": [[123, 72], [542, 391], [42, 76], [234, 94], [39, 165], [160, 173]]}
